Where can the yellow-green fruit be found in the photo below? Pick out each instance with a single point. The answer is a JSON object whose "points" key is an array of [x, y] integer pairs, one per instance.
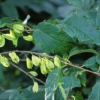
{"points": [[5, 62], [28, 38], [33, 73], [49, 64], [9, 36], [2, 41], [18, 28], [57, 61], [29, 63], [43, 67], [35, 60], [35, 87], [14, 57]]}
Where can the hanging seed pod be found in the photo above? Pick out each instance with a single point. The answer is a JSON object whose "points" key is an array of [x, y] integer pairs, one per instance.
{"points": [[49, 64], [29, 63], [35, 87], [35, 60], [18, 28], [14, 57], [57, 61], [5, 62], [2, 41], [43, 67]]}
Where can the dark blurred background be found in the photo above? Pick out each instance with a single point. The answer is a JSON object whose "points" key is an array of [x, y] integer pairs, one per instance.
{"points": [[39, 10]]}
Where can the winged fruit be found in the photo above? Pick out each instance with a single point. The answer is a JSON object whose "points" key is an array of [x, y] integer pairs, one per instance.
{"points": [[18, 28]]}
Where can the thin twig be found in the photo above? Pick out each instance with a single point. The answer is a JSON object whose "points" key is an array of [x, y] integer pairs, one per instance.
{"points": [[3, 30], [41, 54], [79, 67], [32, 77]]}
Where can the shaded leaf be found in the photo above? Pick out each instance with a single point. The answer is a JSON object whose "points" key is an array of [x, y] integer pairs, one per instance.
{"points": [[9, 10], [78, 96], [77, 50], [5, 21], [71, 81], [28, 94], [98, 59], [77, 3], [83, 78], [51, 38], [82, 4], [91, 63], [52, 84], [82, 29], [95, 94], [9, 94]]}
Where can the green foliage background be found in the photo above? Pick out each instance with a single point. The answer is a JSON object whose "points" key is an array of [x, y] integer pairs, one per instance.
{"points": [[76, 34]]}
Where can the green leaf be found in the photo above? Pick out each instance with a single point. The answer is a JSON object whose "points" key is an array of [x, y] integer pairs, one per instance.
{"points": [[77, 50], [52, 84], [78, 96], [9, 94], [14, 57], [9, 9], [25, 94], [28, 94], [91, 63], [51, 38], [77, 3], [95, 94], [58, 95], [83, 78], [5, 21], [71, 81], [98, 59], [82, 4], [81, 28]]}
